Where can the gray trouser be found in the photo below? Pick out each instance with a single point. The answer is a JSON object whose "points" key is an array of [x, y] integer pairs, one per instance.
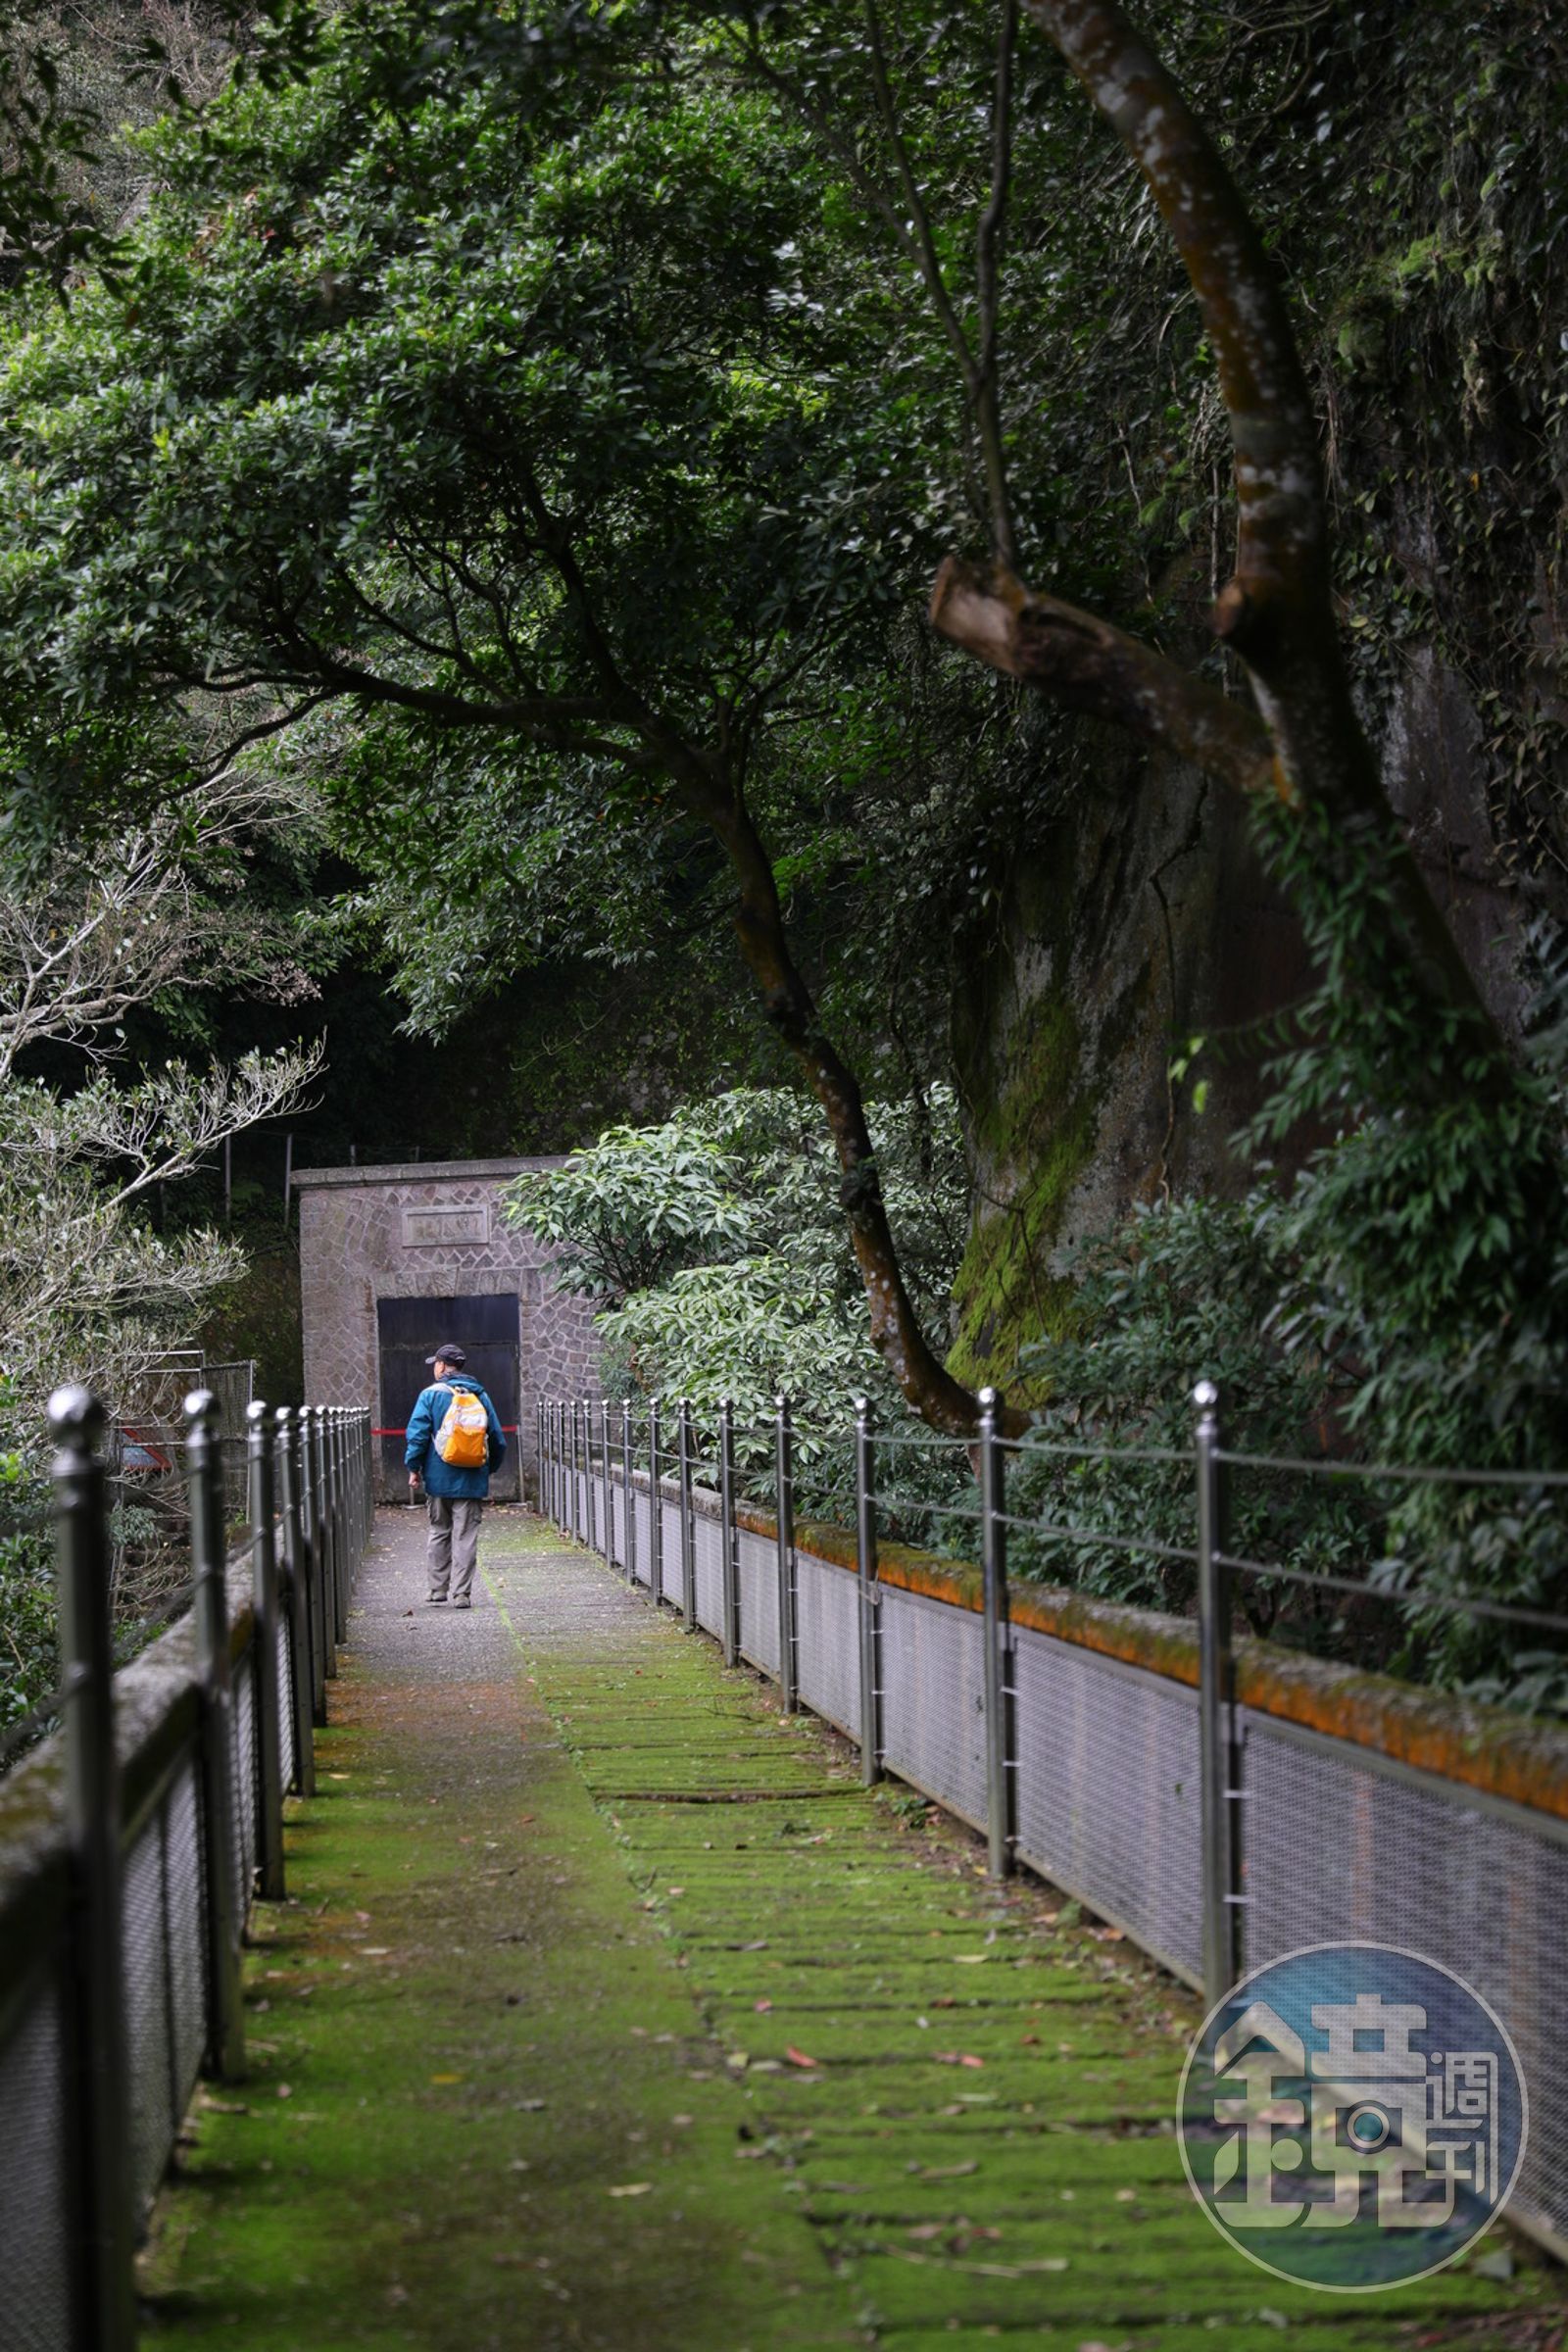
{"points": [[454, 1542]]}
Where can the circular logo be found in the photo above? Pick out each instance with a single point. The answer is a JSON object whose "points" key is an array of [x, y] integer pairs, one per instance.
{"points": [[1351, 2117]]}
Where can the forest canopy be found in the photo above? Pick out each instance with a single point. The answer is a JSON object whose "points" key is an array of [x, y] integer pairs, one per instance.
{"points": [[537, 433]]}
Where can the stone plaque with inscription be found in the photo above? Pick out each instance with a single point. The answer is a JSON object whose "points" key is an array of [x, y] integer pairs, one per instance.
{"points": [[438, 1227]]}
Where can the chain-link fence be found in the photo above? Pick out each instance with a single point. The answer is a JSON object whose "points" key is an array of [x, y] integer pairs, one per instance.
{"points": [[133, 1839], [1223, 1802]]}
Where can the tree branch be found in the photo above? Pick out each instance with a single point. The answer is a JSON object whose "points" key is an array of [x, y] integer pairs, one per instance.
{"points": [[1277, 611], [940, 1399], [989, 240], [1085, 664], [911, 232]]}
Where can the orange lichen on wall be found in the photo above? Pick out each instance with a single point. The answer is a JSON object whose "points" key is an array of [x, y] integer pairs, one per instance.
{"points": [[1485, 1749]]}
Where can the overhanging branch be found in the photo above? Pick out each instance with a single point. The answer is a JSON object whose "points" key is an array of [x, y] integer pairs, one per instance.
{"points": [[1087, 664]]}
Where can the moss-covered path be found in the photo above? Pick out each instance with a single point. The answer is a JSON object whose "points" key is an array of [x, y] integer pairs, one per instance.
{"points": [[608, 2010]]}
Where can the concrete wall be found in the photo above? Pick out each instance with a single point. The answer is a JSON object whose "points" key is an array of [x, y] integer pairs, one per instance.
{"points": [[429, 1229]]}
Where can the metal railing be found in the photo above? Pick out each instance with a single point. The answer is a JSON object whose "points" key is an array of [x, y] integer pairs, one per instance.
{"points": [[1221, 1803], [133, 1839]]}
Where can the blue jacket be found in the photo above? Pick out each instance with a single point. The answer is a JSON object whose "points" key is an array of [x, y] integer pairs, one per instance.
{"points": [[419, 1453]]}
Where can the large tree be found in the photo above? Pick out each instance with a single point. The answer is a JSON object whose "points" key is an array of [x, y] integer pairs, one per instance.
{"points": [[532, 413], [539, 392]]}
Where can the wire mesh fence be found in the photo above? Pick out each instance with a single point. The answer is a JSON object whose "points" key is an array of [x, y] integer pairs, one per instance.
{"points": [[1221, 1799], [134, 1838]]}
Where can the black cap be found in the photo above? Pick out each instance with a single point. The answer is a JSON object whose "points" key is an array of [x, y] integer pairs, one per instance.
{"points": [[449, 1352]]}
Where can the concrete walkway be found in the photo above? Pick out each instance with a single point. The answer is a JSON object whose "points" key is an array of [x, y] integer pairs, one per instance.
{"points": [[608, 2010]]}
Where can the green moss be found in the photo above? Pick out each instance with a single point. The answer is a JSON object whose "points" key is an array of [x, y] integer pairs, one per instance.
{"points": [[1039, 1134], [619, 1925]]}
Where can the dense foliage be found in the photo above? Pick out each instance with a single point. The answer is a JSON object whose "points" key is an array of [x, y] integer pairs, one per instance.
{"points": [[717, 1244], [521, 406], [91, 1288]]}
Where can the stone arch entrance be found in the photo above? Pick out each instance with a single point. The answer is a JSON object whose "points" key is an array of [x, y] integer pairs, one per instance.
{"points": [[395, 1260]]}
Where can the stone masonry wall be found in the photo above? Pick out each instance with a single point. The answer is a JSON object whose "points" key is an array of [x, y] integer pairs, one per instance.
{"points": [[415, 1231]]}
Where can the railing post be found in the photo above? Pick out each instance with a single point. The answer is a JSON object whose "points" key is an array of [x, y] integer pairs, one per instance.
{"points": [[629, 1499], [994, 1576], [225, 2026], [351, 1499], [321, 1543], [608, 1491], [655, 1507], [323, 1664], [729, 1607], [1219, 1780], [871, 1614], [268, 1646], [299, 1610], [97, 2173], [557, 1451], [590, 1517], [688, 1539], [355, 1504], [331, 1417], [343, 1419], [789, 1680], [351, 1457]]}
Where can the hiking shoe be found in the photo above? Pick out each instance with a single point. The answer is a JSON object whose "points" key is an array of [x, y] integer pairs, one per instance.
{"points": [[463, 1603], [436, 1598]]}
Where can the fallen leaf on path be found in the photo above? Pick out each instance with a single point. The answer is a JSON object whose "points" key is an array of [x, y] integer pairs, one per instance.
{"points": [[285, 2090], [945, 2171], [957, 2058], [446, 2078], [797, 2057], [969, 1959], [761, 2007], [630, 2189]]}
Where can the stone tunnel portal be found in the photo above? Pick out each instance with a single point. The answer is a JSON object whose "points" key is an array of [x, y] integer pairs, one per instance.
{"points": [[393, 1260]]}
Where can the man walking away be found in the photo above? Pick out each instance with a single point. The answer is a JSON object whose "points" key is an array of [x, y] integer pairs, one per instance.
{"points": [[454, 1443]]}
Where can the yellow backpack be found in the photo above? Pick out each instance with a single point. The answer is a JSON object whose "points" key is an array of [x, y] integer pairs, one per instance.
{"points": [[462, 1440]]}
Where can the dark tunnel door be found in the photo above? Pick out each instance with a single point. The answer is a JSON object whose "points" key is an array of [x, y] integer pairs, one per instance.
{"points": [[408, 1330]]}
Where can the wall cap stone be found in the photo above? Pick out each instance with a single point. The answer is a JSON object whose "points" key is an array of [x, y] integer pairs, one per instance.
{"points": [[422, 1171]]}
